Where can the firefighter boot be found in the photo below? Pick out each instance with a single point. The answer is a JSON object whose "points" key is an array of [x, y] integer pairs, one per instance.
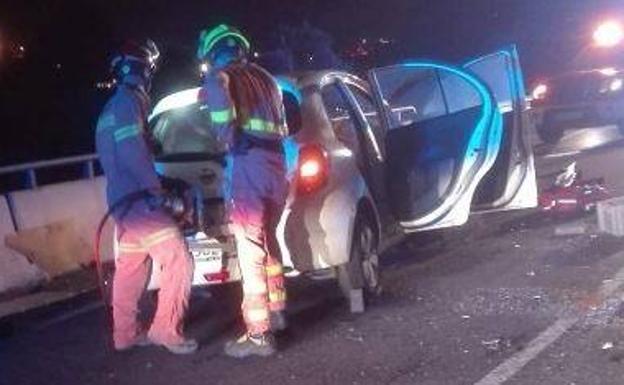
{"points": [[260, 345], [188, 346]]}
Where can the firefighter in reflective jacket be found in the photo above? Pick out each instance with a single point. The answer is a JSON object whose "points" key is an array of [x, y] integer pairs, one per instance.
{"points": [[245, 107], [142, 228]]}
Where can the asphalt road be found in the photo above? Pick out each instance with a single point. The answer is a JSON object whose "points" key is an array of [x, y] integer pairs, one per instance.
{"points": [[501, 300]]}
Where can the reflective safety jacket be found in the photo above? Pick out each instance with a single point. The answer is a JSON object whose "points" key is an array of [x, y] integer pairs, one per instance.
{"points": [[243, 98], [122, 147]]}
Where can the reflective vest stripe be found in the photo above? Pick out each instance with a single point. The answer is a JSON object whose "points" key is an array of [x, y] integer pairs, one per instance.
{"points": [[223, 116], [262, 126], [131, 248], [105, 122], [126, 132], [160, 236]]}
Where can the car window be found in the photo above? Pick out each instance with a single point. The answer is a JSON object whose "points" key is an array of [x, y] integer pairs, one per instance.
{"points": [[341, 116], [459, 94], [183, 131], [292, 109], [368, 108], [494, 71], [412, 95]]}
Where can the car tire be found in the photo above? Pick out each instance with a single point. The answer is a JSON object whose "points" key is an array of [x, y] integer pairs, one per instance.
{"points": [[550, 134], [359, 278]]}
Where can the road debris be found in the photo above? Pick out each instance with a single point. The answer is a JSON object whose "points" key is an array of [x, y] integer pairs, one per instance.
{"points": [[465, 316], [531, 273], [497, 344], [607, 346]]}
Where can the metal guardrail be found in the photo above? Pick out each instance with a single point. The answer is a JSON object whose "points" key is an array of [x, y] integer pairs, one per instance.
{"points": [[29, 170]]}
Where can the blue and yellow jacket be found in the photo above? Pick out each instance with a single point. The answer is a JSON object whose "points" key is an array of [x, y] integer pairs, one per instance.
{"points": [[122, 146]]}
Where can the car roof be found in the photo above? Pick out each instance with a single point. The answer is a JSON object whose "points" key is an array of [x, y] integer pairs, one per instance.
{"points": [[293, 82]]}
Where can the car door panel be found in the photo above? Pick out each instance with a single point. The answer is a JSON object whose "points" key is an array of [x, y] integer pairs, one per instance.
{"points": [[437, 154], [510, 184]]}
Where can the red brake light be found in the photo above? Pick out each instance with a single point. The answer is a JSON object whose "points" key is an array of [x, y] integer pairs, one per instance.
{"points": [[313, 168]]}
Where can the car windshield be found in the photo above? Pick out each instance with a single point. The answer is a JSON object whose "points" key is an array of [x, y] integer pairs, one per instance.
{"points": [[183, 132]]}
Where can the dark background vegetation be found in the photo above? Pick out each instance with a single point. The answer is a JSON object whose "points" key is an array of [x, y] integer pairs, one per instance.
{"points": [[48, 98]]}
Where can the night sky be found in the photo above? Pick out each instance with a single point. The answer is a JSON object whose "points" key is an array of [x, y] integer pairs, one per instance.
{"points": [[48, 102]]}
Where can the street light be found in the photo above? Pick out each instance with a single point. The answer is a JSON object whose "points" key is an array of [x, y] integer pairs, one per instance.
{"points": [[609, 34]]}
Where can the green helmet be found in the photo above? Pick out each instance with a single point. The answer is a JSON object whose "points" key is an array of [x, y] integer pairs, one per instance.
{"points": [[215, 38]]}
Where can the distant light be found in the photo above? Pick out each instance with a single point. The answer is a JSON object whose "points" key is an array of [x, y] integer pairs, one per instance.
{"points": [[609, 71], [58, 66], [203, 68], [616, 85], [609, 34], [256, 54], [107, 85], [539, 92], [21, 52]]}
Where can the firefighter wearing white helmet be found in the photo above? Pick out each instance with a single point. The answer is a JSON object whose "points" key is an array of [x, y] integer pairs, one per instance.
{"points": [[246, 109]]}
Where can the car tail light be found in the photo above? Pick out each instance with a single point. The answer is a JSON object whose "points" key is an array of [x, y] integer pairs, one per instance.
{"points": [[313, 168], [540, 91], [221, 276]]}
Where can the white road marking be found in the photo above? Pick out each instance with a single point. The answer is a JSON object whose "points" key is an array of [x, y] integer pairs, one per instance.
{"points": [[510, 367], [561, 154]]}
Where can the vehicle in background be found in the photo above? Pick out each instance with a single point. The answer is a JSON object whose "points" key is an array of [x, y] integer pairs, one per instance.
{"points": [[579, 99], [419, 146]]}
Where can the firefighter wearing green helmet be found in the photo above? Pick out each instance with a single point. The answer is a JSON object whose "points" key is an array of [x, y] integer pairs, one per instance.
{"points": [[246, 110]]}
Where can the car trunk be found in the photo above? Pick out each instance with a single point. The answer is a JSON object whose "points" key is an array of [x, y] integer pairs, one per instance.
{"points": [[187, 149]]}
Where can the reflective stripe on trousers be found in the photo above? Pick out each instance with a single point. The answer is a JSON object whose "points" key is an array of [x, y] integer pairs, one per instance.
{"points": [[150, 235], [258, 193]]}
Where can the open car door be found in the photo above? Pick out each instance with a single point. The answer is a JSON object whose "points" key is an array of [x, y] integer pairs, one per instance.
{"points": [[444, 134], [511, 182]]}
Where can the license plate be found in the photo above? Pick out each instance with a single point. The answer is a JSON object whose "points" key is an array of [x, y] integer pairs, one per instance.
{"points": [[569, 115], [207, 255], [208, 261]]}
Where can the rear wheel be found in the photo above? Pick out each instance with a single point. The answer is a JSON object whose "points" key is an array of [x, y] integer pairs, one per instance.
{"points": [[359, 277]]}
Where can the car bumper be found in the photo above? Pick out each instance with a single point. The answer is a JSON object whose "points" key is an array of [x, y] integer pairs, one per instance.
{"points": [[214, 261]]}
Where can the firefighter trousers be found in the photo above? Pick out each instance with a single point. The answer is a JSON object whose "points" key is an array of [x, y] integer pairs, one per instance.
{"points": [[139, 237], [258, 189]]}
